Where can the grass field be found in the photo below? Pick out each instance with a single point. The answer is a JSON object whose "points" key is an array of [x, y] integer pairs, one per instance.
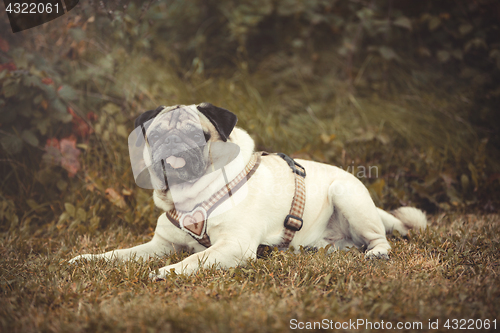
{"points": [[450, 271]]}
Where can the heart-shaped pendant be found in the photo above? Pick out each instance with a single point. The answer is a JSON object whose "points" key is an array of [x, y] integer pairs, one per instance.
{"points": [[194, 222]]}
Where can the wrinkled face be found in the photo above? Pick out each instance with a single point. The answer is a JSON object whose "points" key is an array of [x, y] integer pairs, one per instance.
{"points": [[180, 144], [176, 150]]}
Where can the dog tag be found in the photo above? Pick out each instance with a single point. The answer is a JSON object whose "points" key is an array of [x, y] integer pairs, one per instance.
{"points": [[194, 222]]}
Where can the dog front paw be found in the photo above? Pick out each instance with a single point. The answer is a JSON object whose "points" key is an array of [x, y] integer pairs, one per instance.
{"points": [[80, 257], [162, 274], [156, 277], [377, 255]]}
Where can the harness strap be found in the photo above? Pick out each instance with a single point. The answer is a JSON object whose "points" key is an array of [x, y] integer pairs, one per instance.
{"points": [[293, 221], [195, 222]]}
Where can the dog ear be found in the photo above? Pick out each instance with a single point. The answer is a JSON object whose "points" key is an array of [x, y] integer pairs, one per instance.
{"points": [[222, 119], [147, 116], [142, 119]]}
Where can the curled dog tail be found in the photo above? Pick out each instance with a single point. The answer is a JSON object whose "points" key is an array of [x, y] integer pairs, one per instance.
{"points": [[403, 219]]}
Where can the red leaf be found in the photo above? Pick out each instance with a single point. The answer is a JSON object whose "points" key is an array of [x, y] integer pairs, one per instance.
{"points": [[52, 142], [70, 111], [80, 127], [70, 153], [48, 81], [4, 46], [91, 116], [63, 153], [52, 153], [8, 66]]}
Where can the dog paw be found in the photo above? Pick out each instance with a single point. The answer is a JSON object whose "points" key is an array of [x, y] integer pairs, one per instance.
{"points": [[76, 259], [167, 271], [376, 255], [161, 275], [156, 277]]}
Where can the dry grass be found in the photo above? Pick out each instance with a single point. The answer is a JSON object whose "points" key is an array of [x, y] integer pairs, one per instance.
{"points": [[449, 271]]}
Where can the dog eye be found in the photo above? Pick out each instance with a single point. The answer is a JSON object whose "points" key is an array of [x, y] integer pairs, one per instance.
{"points": [[153, 137], [197, 138], [207, 136]]}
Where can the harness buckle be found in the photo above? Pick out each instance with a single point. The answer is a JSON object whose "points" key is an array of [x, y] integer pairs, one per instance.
{"points": [[301, 172], [291, 222], [293, 165]]}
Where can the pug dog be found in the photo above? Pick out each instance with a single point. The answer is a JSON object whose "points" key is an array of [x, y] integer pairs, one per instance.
{"points": [[192, 152]]}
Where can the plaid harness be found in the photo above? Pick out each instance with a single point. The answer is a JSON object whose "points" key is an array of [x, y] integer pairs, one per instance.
{"points": [[195, 221]]}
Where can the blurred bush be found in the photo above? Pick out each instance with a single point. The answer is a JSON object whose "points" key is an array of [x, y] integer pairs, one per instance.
{"points": [[409, 87]]}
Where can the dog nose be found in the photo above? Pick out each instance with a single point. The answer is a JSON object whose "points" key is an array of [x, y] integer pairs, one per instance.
{"points": [[172, 140], [171, 145]]}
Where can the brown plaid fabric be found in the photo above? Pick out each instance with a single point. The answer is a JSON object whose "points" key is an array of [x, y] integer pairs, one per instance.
{"points": [[293, 221]]}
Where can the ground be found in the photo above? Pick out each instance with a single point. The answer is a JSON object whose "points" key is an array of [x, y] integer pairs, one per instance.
{"points": [[448, 272]]}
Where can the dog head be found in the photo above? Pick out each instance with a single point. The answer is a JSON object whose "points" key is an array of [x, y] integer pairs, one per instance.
{"points": [[179, 141]]}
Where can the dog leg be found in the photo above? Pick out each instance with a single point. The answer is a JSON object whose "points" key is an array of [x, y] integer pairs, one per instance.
{"points": [[224, 253], [364, 226], [163, 243], [155, 247]]}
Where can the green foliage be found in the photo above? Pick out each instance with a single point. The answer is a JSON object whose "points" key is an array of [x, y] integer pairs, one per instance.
{"points": [[31, 109]]}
